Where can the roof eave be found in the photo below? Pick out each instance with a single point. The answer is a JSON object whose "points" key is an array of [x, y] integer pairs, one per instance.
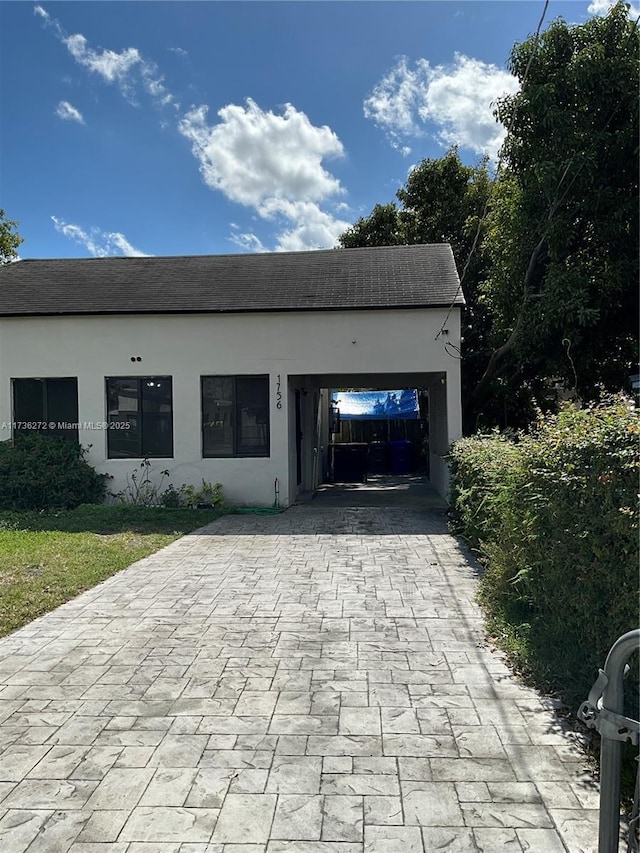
{"points": [[115, 312]]}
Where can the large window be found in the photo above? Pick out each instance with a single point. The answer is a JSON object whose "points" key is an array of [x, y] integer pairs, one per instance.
{"points": [[49, 406], [235, 415], [140, 417]]}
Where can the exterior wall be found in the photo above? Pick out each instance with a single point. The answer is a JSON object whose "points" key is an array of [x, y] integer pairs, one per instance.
{"points": [[284, 345]]}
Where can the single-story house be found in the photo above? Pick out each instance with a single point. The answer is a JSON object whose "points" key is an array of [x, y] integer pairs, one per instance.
{"points": [[221, 367]]}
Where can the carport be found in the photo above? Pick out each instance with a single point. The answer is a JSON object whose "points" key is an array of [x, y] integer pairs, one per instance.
{"points": [[311, 429]]}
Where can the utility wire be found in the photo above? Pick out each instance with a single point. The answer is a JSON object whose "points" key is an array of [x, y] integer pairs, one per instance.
{"points": [[558, 201]]}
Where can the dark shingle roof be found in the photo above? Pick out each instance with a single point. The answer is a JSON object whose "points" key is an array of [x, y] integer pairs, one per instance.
{"points": [[333, 279]]}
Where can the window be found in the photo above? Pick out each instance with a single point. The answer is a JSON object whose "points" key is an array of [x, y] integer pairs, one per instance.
{"points": [[235, 415], [140, 416], [49, 406]]}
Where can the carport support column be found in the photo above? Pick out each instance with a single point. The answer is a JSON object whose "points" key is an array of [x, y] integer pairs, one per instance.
{"points": [[454, 406], [445, 425], [454, 414]]}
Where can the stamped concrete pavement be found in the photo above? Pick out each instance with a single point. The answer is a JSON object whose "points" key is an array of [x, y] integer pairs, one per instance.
{"points": [[312, 682]]}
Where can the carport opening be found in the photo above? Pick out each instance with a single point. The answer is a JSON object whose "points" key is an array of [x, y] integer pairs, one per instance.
{"points": [[404, 435], [378, 431]]}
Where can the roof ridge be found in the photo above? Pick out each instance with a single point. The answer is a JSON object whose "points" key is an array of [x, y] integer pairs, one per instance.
{"points": [[420, 275], [298, 252]]}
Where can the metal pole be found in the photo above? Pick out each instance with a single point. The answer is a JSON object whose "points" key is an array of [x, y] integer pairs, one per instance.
{"points": [[611, 750]]}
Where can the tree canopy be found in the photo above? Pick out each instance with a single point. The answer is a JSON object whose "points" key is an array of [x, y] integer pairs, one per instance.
{"points": [[9, 239], [547, 249], [562, 240], [443, 201]]}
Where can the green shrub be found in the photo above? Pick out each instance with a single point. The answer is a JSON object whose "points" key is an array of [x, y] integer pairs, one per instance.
{"points": [[480, 469], [207, 496], [554, 517], [38, 472]]}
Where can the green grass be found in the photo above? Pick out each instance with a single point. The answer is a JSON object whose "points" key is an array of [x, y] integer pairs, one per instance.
{"points": [[49, 557]]}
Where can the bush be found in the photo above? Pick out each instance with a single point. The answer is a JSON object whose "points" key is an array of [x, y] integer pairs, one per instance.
{"points": [[38, 472], [480, 468], [553, 515], [209, 495]]}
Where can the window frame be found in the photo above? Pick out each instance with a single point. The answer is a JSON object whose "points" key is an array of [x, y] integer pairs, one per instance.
{"points": [[66, 434], [236, 419], [140, 414]]}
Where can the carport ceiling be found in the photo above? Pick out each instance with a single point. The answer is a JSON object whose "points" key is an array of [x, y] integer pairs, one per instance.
{"points": [[379, 381]]}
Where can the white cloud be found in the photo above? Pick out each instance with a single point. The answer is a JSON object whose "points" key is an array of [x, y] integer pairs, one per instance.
{"points": [[128, 69], [67, 112], [462, 99], [252, 154], [455, 101], [180, 51], [272, 163], [111, 66], [394, 101], [153, 83], [601, 7], [311, 227], [249, 242], [100, 244]]}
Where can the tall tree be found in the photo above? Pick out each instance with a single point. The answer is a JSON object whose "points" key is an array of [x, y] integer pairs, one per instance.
{"points": [[548, 251], [9, 239], [562, 239], [443, 201]]}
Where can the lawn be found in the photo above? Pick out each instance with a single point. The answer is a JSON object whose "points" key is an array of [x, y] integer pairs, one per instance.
{"points": [[48, 557]]}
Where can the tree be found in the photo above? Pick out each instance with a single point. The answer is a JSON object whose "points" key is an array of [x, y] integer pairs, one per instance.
{"points": [[9, 239], [548, 250], [562, 239], [381, 228], [443, 201]]}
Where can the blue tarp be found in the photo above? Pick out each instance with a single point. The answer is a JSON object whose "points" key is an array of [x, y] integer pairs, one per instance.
{"points": [[377, 405]]}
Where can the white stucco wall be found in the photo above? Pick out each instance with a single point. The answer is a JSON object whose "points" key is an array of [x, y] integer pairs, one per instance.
{"points": [[187, 347]]}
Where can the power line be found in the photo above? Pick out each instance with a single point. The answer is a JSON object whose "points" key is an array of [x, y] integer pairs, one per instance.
{"points": [[557, 201]]}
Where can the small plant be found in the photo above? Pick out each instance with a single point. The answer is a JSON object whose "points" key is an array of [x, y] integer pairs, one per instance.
{"points": [[141, 490], [171, 497], [208, 495]]}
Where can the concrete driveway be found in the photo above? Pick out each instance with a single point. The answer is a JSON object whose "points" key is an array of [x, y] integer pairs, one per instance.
{"points": [[312, 682]]}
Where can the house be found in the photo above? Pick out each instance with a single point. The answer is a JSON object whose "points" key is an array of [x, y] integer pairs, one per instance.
{"points": [[221, 367]]}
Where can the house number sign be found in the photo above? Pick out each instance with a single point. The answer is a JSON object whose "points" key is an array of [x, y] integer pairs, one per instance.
{"points": [[278, 393]]}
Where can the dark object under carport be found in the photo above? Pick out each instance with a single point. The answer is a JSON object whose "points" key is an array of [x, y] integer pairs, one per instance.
{"points": [[349, 463], [378, 457], [400, 457]]}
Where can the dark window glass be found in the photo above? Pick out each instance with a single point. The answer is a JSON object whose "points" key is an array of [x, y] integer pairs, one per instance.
{"points": [[235, 416], [50, 405], [124, 434], [28, 400], [252, 416], [140, 416], [218, 415], [157, 417]]}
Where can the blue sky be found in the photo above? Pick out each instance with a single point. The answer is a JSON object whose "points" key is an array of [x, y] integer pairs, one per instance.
{"points": [[171, 128]]}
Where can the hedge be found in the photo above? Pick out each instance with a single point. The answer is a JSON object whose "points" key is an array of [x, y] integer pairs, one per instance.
{"points": [[553, 516], [39, 472]]}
